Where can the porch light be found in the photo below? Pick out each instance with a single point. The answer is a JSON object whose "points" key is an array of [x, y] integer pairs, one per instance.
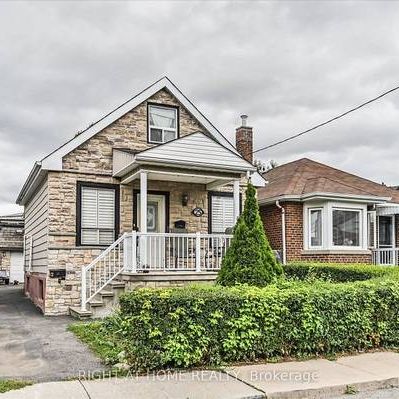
{"points": [[184, 199]]}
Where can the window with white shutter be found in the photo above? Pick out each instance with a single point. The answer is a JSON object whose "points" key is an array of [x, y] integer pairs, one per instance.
{"points": [[97, 215], [222, 213]]}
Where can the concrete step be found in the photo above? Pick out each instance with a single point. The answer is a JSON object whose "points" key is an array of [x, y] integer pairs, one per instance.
{"points": [[116, 284], [95, 303], [77, 313], [106, 293]]}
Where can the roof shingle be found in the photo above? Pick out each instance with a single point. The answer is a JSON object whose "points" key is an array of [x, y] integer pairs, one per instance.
{"points": [[305, 176]]}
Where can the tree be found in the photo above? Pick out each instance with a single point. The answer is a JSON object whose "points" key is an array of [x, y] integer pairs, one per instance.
{"points": [[249, 259], [265, 166]]}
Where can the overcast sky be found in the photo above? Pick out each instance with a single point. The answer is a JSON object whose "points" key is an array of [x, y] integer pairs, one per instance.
{"points": [[288, 65]]}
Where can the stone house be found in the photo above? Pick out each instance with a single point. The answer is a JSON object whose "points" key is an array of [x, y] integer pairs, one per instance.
{"points": [[144, 196], [314, 212], [11, 247]]}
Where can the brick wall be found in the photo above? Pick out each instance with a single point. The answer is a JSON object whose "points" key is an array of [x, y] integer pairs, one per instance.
{"points": [[244, 142], [271, 217]]}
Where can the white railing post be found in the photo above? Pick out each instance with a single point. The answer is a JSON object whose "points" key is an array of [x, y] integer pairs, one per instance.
{"points": [[198, 251], [83, 289], [127, 252], [134, 251]]}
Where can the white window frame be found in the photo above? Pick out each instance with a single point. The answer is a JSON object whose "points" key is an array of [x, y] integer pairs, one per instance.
{"points": [[327, 208], [176, 129], [310, 210], [361, 228]]}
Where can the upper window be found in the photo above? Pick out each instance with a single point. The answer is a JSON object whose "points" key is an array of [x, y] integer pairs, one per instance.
{"points": [[97, 215], [316, 239], [162, 123], [346, 227]]}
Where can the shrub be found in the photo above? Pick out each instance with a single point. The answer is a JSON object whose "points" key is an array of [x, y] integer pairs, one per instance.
{"points": [[336, 272], [194, 326], [249, 259]]}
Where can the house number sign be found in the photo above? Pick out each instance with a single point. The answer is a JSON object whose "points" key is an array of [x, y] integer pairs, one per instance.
{"points": [[198, 212]]}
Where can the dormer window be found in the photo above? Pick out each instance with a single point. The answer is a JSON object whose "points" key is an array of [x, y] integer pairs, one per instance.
{"points": [[162, 124]]}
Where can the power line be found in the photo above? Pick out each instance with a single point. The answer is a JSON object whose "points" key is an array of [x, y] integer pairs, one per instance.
{"points": [[326, 122]]}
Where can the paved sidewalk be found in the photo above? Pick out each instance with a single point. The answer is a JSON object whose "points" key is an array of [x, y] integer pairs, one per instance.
{"points": [[309, 379]]}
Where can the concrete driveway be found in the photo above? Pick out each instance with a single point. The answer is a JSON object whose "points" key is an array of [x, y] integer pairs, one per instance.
{"points": [[35, 347]]}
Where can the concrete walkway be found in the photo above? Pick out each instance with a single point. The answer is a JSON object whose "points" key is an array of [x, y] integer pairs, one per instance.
{"points": [[38, 348], [309, 379]]}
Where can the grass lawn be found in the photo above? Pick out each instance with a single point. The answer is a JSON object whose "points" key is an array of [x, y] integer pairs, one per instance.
{"points": [[9, 385], [99, 339]]}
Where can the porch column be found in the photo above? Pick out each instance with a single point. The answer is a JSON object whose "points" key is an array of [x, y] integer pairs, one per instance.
{"points": [[143, 202], [236, 198]]}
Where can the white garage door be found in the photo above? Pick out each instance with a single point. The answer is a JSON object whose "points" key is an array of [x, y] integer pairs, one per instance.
{"points": [[17, 267]]}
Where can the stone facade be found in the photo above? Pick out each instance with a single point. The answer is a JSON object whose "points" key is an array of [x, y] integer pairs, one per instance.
{"points": [[128, 132], [92, 162], [271, 217]]}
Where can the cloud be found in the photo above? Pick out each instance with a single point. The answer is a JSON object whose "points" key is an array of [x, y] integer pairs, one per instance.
{"points": [[288, 65]]}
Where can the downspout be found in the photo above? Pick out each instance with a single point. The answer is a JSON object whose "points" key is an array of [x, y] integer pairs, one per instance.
{"points": [[283, 231]]}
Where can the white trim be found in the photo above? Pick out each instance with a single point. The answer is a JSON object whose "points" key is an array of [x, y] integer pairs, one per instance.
{"points": [[54, 160], [325, 196], [327, 208], [143, 202], [175, 129], [137, 172], [236, 199], [309, 215]]}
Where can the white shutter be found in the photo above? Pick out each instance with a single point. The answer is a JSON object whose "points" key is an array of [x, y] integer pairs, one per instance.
{"points": [[106, 208], [97, 216], [222, 213], [89, 207]]}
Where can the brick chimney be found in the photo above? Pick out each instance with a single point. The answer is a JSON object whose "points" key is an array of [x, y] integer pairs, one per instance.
{"points": [[244, 139]]}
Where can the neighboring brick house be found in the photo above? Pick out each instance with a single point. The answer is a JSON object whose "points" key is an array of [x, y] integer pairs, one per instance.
{"points": [[11, 247], [155, 164], [330, 215]]}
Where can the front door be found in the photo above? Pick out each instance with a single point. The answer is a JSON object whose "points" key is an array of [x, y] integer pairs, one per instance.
{"points": [[386, 239], [152, 249]]}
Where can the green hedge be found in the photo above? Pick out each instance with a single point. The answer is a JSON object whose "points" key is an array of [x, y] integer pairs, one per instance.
{"points": [[195, 326], [336, 272]]}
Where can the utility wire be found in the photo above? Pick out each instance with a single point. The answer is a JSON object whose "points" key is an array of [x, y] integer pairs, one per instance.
{"points": [[326, 122]]}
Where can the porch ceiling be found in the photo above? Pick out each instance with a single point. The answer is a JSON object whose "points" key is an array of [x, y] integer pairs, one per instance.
{"points": [[214, 179], [387, 209]]}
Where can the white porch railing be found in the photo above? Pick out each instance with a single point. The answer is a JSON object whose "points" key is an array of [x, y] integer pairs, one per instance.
{"points": [[102, 270], [386, 256], [153, 252]]}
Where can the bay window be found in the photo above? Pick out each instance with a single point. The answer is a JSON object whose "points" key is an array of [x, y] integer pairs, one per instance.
{"points": [[346, 227], [97, 214], [316, 234], [335, 226]]}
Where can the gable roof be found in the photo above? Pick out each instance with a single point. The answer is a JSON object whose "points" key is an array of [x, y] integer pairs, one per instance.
{"points": [[53, 161], [303, 178], [196, 150]]}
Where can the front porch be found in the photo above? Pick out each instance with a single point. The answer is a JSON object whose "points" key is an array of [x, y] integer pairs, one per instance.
{"points": [[185, 200], [383, 232]]}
